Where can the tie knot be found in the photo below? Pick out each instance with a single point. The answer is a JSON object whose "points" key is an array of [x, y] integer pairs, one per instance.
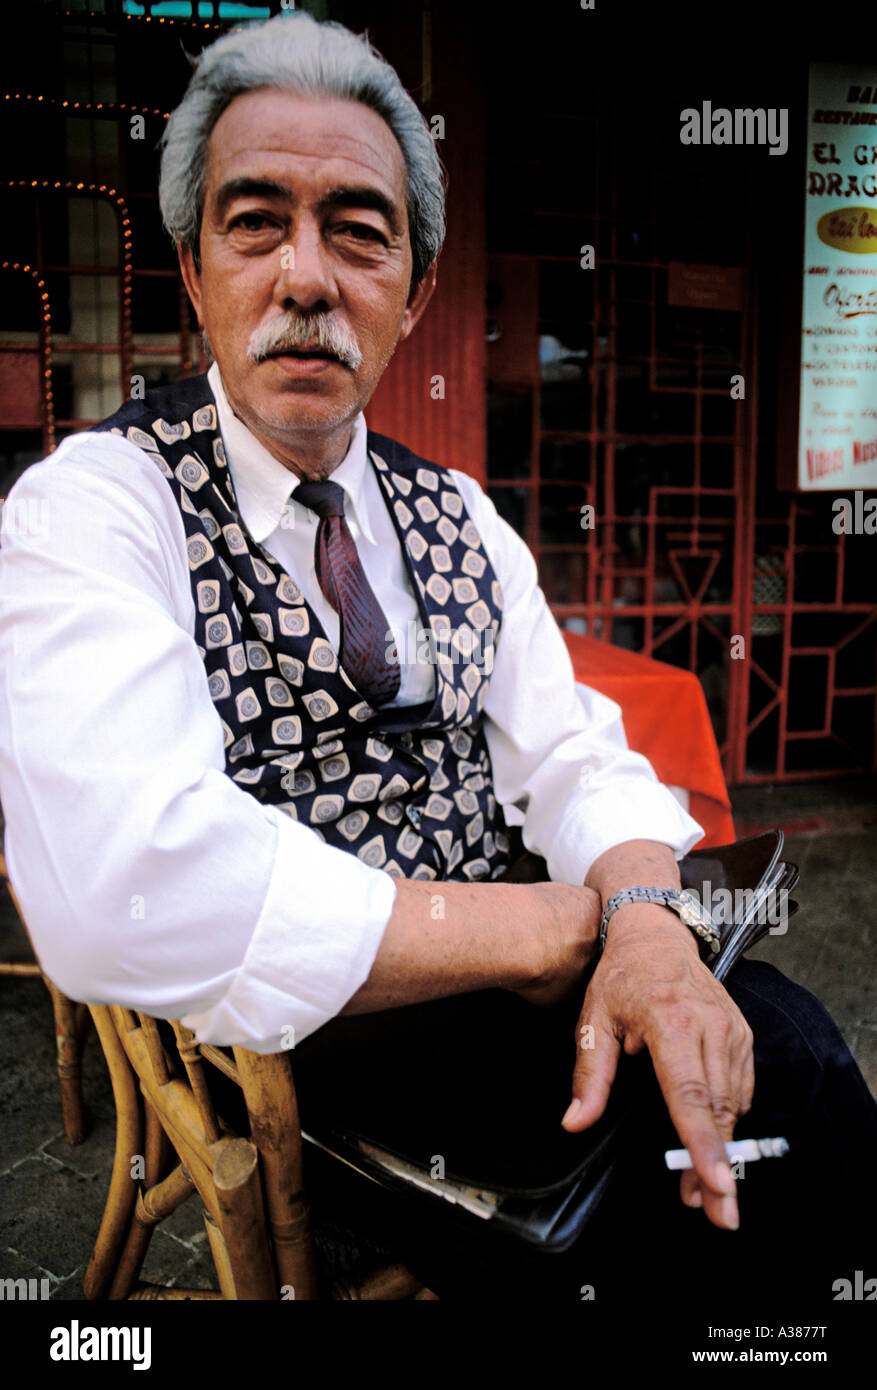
{"points": [[326, 498]]}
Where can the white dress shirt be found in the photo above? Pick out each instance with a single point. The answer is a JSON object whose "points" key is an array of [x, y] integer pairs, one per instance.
{"points": [[146, 875]]}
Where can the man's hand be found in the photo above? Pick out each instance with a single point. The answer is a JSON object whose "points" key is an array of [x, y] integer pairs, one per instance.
{"points": [[651, 990]]}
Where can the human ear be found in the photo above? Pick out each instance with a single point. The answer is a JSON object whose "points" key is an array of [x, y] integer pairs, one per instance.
{"points": [[417, 301]]}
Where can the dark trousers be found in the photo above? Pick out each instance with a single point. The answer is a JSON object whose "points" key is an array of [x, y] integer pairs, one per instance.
{"points": [[806, 1220]]}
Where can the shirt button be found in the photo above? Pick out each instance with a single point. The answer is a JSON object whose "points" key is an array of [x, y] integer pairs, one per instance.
{"points": [[414, 816]]}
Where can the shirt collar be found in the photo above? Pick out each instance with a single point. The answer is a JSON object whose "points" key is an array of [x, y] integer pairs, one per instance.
{"points": [[263, 485]]}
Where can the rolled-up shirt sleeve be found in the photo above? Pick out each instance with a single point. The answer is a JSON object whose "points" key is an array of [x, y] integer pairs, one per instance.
{"points": [[558, 749], [146, 875]]}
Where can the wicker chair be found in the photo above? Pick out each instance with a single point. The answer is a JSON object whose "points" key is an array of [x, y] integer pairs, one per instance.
{"points": [[72, 1024], [251, 1183]]}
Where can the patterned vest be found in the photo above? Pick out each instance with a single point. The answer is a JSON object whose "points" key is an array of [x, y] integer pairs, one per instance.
{"points": [[408, 790]]}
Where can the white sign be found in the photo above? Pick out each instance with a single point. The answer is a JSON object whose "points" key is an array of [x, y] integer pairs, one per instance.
{"points": [[837, 434]]}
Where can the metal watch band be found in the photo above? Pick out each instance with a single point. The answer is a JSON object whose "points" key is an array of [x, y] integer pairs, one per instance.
{"points": [[687, 908]]}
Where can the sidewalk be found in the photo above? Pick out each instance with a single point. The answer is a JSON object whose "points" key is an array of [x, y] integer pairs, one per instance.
{"points": [[52, 1195]]}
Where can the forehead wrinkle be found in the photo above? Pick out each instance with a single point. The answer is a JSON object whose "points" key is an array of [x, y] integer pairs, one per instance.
{"points": [[392, 162], [275, 139]]}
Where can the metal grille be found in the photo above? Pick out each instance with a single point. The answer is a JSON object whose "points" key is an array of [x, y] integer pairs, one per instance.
{"points": [[94, 308], [604, 395]]}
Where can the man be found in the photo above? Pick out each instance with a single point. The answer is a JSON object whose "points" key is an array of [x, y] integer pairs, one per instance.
{"points": [[230, 785]]}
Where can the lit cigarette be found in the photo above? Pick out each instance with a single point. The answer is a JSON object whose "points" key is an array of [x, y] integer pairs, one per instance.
{"points": [[738, 1151]]}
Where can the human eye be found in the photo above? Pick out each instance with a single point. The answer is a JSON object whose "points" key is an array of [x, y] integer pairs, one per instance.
{"points": [[251, 222], [361, 231]]}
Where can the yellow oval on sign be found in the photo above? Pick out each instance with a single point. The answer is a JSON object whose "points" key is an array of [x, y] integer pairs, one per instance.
{"points": [[849, 229]]}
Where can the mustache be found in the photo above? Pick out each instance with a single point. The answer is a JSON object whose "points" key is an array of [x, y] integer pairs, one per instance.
{"points": [[317, 331]]}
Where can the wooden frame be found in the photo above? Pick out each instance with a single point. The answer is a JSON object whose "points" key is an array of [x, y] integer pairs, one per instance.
{"points": [[251, 1185]]}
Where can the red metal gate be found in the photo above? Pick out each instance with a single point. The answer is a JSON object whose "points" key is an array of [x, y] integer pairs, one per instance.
{"points": [[606, 394]]}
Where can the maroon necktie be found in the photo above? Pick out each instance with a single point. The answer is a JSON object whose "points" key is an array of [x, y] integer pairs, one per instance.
{"points": [[365, 632]]}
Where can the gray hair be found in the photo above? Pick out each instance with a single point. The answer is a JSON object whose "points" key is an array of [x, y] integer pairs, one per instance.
{"points": [[295, 52]]}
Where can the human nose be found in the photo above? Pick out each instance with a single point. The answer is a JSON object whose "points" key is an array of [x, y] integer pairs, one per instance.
{"points": [[305, 278]]}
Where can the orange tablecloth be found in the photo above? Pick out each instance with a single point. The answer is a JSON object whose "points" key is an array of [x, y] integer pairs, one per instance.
{"points": [[665, 718]]}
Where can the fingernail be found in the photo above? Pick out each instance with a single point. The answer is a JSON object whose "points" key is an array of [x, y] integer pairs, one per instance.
{"points": [[572, 1113], [729, 1214], [723, 1178]]}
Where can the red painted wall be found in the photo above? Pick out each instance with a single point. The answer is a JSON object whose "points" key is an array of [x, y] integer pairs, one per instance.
{"points": [[450, 340]]}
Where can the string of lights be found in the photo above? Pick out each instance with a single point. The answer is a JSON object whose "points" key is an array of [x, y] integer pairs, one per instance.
{"points": [[45, 348], [143, 19], [113, 196], [108, 106]]}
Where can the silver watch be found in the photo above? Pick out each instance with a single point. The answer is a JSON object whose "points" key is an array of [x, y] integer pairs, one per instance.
{"points": [[690, 909]]}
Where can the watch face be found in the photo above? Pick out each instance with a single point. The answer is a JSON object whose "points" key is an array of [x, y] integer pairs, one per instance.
{"points": [[692, 914]]}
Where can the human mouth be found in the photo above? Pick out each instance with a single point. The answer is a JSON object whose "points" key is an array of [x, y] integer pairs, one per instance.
{"points": [[298, 362]]}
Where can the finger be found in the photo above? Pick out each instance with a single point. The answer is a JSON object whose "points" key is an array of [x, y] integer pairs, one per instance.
{"points": [[746, 1063], [743, 1073], [740, 1048], [689, 1189], [681, 1073], [742, 1087], [748, 1087], [723, 1069], [731, 1094], [594, 1072]]}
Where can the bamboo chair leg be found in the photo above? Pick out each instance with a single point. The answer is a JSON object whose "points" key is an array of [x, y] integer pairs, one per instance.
{"points": [[156, 1199], [69, 1064], [220, 1258], [242, 1213], [277, 1135], [129, 1135], [151, 1207]]}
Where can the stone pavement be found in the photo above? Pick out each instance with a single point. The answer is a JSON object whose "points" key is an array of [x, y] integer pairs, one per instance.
{"points": [[52, 1195]]}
